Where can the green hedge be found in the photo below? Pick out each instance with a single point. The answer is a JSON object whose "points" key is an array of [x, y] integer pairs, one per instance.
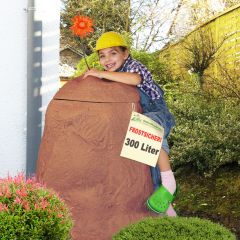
{"points": [[180, 228], [207, 133]]}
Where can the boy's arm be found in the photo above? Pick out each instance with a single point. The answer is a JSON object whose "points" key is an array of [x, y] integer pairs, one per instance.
{"points": [[122, 77]]}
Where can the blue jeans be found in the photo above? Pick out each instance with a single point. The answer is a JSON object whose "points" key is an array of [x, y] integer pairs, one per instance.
{"points": [[157, 110]]}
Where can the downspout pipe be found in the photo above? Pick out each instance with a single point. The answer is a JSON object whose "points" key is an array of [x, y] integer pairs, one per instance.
{"points": [[34, 101]]}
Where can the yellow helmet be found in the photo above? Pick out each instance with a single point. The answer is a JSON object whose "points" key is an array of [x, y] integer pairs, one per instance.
{"points": [[110, 39]]}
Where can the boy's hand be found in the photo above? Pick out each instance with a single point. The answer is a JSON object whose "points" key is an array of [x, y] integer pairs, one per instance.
{"points": [[93, 72]]}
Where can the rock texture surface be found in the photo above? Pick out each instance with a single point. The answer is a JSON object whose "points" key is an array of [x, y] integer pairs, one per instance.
{"points": [[85, 126]]}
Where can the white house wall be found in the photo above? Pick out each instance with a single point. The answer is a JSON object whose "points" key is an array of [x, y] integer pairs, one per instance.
{"points": [[43, 76], [49, 13], [29, 79], [13, 88]]}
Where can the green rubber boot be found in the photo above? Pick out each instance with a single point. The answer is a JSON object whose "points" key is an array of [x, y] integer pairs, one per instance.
{"points": [[160, 200]]}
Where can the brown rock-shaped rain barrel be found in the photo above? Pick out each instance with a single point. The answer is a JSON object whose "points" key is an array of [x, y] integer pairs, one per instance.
{"points": [[79, 157]]}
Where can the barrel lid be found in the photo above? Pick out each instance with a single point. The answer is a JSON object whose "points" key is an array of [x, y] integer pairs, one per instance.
{"points": [[92, 89]]}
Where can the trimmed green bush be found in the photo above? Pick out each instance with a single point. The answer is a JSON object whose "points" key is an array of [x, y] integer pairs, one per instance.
{"points": [[30, 211], [179, 228]]}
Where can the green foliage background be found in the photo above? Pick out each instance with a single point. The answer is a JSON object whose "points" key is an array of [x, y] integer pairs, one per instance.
{"points": [[159, 70], [207, 134]]}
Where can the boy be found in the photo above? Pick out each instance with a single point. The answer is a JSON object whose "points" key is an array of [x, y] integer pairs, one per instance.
{"points": [[120, 67]]}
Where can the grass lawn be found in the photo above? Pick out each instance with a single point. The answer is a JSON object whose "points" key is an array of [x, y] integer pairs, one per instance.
{"points": [[216, 198]]}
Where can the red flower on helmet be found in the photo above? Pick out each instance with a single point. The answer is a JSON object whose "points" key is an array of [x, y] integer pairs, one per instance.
{"points": [[82, 26]]}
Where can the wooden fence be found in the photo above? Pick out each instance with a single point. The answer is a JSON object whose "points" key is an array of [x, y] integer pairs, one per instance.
{"points": [[224, 25]]}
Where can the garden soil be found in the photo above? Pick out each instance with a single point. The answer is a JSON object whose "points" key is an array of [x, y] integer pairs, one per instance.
{"points": [[85, 127]]}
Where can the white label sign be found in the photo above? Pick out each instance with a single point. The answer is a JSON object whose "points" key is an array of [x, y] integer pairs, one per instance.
{"points": [[143, 140]]}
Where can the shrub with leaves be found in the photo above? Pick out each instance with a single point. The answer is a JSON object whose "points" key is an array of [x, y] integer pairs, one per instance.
{"points": [[159, 70], [93, 62], [180, 228], [207, 134], [28, 210]]}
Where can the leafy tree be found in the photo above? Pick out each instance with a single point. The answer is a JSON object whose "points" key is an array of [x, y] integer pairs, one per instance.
{"points": [[144, 20], [152, 23], [108, 15]]}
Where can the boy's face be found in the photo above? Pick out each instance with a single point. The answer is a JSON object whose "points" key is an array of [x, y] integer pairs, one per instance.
{"points": [[112, 58]]}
